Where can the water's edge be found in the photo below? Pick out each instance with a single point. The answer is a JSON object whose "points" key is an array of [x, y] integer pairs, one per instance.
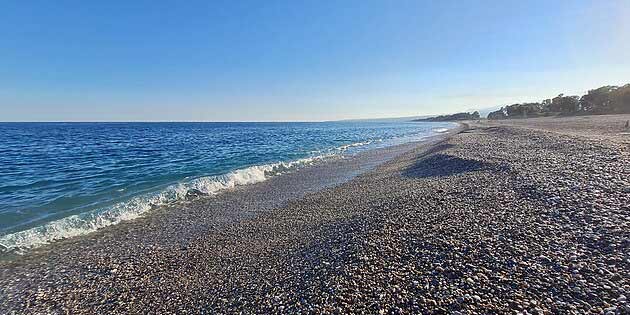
{"points": [[322, 171]]}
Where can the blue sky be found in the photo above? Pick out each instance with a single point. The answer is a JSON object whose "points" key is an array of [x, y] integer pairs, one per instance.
{"points": [[300, 60]]}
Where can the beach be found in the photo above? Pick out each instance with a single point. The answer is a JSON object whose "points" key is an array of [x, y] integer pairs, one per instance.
{"points": [[494, 217]]}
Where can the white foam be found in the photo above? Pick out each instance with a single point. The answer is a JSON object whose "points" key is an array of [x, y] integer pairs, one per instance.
{"points": [[440, 130], [88, 222], [85, 223], [352, 145], [344, 148]]}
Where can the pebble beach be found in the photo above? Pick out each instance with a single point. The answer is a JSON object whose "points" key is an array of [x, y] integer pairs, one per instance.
{"points": [[528, 216]]}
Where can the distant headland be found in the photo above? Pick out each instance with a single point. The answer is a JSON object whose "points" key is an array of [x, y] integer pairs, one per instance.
{"points": [[452, 117]]}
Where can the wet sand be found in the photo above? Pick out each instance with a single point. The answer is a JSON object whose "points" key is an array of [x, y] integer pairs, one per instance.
{"points": [[503, 217]]}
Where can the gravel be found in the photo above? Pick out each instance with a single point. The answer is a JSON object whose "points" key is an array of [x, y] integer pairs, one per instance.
{"points": [[496, 219]]}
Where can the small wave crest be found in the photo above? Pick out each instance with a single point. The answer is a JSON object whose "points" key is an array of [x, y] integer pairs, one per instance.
{"points": [[344, 148], [88, 222], [440, 130]]}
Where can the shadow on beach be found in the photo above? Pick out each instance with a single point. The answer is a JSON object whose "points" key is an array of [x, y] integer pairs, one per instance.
{"points": [[444, 165]]}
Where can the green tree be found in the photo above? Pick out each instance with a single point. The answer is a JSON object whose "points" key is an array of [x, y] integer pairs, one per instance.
{"points": [[499, 114], [597, 100], [620, 99], [565, 104]]}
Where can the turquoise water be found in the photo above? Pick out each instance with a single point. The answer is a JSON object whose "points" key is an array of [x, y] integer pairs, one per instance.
{"points": [[65, 179]]}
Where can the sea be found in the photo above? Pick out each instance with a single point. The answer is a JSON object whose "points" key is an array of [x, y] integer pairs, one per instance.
{"points": [[60, 180]]}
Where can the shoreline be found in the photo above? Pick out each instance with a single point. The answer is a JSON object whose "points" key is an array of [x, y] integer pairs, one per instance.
{"points": [[228, 206], [471, 223], [172, 195]]}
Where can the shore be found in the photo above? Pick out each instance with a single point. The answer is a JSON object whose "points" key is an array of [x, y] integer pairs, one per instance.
{"points": [[501, 218]]}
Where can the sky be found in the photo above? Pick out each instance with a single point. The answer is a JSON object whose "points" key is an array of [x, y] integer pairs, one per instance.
{"points": [[300, 60]]}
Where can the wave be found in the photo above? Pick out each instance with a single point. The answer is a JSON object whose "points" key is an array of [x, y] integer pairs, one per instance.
{"points": [[441, 130], [88, 222], [84, 223], [344, 148]]}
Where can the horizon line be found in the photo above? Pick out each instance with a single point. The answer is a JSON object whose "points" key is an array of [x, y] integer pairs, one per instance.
{"points": [[211, 121]]}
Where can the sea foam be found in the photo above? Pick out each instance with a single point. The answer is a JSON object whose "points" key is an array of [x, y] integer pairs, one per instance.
{"points": [[440, 130], [88, 222]]}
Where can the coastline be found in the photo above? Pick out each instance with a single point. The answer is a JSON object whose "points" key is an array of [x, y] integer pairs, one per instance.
{"points": [[235, 203], [129, 204], [492, 219]]}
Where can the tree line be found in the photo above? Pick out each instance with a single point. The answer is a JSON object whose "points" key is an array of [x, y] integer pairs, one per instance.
{"points": [[452, 117], [604, 100]]}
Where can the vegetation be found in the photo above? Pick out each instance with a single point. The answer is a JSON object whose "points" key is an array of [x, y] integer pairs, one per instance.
{"points": [[453, 117], [604, 100]]}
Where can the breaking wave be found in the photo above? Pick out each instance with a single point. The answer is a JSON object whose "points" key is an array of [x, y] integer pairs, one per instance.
{"points": [[84, 223], [343, 148], [440, 130], [135, 207]]}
